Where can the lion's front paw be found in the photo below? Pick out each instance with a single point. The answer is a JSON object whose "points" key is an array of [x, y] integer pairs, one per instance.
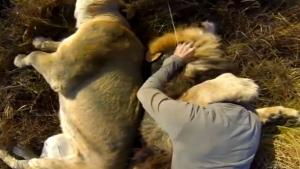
{"points": [[289, 112], [38, 42], [19, 61], [273, 114]]}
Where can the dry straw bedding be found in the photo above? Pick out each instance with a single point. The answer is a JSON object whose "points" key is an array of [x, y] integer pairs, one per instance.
{"points": [[262, 36]]}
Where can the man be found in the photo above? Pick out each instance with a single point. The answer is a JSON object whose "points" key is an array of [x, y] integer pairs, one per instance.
{"points": [[219, 136]]}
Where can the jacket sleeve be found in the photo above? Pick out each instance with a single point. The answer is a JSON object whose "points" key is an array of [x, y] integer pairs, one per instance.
{"points": [[170, 114]]}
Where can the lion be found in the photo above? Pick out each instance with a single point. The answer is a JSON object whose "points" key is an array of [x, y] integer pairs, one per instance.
{"points": [[96, 73], [194, 84]]}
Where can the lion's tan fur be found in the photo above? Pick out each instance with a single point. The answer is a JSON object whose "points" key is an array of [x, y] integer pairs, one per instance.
{"points": [[206, 42], [89, 9], [225, 87], [96, 72]]}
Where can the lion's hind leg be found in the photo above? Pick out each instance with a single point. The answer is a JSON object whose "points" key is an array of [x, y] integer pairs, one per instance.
{"points": [[268, 113]]}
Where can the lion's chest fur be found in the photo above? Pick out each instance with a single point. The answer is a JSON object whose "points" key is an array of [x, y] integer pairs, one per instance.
{"points": [[93, 46]]}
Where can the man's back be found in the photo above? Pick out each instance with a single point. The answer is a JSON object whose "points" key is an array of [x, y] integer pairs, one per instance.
{"points": [[223, 135]]}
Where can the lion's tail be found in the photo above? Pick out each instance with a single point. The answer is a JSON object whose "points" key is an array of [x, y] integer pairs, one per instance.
{"points": [[13, 162]]}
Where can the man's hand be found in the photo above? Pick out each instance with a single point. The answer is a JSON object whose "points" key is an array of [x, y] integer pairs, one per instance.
{"points": [[185, 51]]}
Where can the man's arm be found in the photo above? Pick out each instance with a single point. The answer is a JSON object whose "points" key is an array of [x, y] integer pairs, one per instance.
{"points": [[170, 114]]}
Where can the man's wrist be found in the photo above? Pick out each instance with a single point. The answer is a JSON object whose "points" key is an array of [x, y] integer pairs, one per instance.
{"points": [[178, 59], [174, 59]]}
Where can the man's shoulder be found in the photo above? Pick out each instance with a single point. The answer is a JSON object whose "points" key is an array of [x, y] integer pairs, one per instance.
{"points": [[233, 111], [232, 105]]}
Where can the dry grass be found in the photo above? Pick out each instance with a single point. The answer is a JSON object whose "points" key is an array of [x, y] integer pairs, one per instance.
{"points": [[262, 36], [280, 151], [28, 107], [287, 148]]}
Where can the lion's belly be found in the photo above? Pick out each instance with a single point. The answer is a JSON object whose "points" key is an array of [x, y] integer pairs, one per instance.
{"points": [[103, 116]]}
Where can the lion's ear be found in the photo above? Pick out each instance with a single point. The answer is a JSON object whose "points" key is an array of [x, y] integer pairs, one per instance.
{"points": [[209, 26], [151, 58]]}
